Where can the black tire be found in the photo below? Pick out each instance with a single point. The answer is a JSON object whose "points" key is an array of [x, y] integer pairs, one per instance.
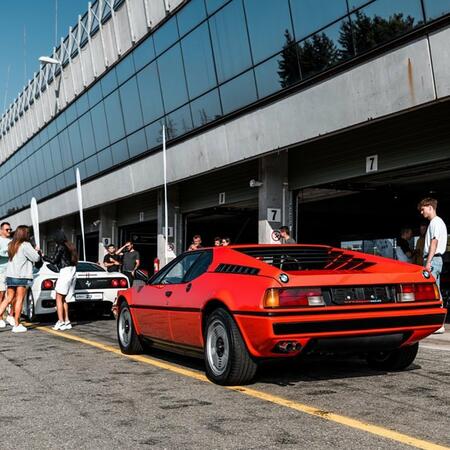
{"points": [[30, 310], [227, 359], [398, 359], [126, 333]]}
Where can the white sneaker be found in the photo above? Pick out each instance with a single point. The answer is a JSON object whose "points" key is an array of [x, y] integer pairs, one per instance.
{"points": [[440, 331], [2, 324], [67, 326], [19, 329], [11, 321], [59, 326]]}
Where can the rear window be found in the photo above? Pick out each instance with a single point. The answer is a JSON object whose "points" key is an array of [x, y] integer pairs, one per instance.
{"points": [[89, 267], [295, 258]]}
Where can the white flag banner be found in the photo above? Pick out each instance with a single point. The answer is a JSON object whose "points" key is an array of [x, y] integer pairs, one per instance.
{"points": [[80, 207], [35, 221]]}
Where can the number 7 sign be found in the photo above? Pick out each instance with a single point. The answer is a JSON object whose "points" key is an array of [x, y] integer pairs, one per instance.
{"points": [[273, 214], [372, 163]]}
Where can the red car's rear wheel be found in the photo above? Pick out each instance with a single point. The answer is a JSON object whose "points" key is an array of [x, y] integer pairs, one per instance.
{"points": [[228, 361], [397, 359], [128, 339]]}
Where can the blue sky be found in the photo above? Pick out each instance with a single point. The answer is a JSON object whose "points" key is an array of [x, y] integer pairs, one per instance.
{"points": [[38, 19]]}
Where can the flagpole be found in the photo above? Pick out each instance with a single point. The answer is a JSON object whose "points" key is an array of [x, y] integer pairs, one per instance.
{"points": [[35, 222], [80, 207], [166, 211]]}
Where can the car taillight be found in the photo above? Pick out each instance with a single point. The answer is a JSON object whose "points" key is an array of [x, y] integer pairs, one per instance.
{"points": [[123, 283], [292, 297], [115, 282], [119, 282], [417, 292], [47, 285]]}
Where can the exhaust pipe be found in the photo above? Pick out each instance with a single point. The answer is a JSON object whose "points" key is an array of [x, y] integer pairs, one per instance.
{"points": [[287, 347]]}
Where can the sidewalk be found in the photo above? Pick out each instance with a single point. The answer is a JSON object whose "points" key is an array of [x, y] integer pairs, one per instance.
{"points": [[439, 339]]}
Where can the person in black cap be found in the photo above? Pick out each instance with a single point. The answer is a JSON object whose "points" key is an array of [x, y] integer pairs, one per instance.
{"points": [[66, 260]]}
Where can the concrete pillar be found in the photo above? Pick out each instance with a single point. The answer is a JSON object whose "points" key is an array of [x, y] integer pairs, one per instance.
{"points": [[174, 224], [274, 199], [107, 229], [68, 225]]}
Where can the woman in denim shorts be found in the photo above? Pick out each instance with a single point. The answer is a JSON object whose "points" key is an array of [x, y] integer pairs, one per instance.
{"points": [[19, 273]]}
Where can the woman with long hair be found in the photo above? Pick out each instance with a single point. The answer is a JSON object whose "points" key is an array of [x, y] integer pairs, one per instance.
{"points": [[66, 260], [19, 273]]}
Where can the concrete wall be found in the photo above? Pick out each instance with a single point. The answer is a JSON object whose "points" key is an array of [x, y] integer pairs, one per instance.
{"points": [[396, 81]]}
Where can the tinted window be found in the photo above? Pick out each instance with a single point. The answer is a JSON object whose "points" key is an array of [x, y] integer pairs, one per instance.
{"points": [[268, 24], [91, 166], [64, 145], [89, 267], [278, 72], [150, 93], [153, 132], [230, 41], [99, 124], [324, 49], [165, 36], [238, 92], [82, 104], [198, 61], [95, 94], [192, 14], [382, 21], [87, 135], [436, 8], [56, 155], [206, 108], [172, 78], [212, 5], [114, 117], [109, 82], [200, 267], [105, 159], [119, 152], [144, 53], [311, 15], [176, 274], [75, 142], [137, 143], [125, 69], [129, 97], [179, 122]]}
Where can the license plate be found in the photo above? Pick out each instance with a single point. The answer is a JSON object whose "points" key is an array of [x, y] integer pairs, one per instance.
{"points": [[93, 296]]}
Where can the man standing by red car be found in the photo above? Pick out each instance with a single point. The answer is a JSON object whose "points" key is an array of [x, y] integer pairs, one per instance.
{"points": [[435, 241]]}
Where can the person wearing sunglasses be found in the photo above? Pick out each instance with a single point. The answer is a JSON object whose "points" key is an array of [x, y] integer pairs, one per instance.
{"points": [[5, 239]]}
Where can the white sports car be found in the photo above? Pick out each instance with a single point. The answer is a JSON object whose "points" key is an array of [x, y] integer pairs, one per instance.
{"points": [[94, 287]]}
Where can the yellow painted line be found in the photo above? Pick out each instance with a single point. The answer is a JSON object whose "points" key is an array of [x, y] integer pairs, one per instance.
{"points": [[280, 401]]}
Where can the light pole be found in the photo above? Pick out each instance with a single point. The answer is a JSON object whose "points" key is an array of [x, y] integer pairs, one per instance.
{"points": [[54, 62]]}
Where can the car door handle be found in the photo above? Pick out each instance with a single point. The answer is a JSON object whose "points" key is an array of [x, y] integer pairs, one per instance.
{"points": [[188, 287], [168, 293]]}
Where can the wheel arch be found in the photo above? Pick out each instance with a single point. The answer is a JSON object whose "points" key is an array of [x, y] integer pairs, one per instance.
{"points": [[210, 306]]}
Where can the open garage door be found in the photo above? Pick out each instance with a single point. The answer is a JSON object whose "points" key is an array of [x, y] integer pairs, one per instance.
{"points": [[238, 222], [371, 207], [144, 236]]}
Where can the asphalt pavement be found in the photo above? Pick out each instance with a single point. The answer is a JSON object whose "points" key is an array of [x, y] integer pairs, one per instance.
{"points": [[75, 390]]}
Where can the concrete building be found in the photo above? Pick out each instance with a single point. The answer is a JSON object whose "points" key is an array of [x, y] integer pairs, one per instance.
{"points": [[331, 117]]}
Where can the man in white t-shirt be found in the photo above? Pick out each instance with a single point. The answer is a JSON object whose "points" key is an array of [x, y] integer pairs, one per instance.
{"points": [[435, 241], [5, 239]]}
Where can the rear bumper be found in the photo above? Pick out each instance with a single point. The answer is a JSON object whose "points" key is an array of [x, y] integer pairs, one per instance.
{"points": [[343, 331]]}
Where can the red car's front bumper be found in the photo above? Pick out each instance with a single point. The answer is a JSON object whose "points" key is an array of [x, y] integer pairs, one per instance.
{"points": [[340, 328]]}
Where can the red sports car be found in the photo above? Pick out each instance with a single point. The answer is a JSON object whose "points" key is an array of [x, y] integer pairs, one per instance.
{"points": [[238, 305]]}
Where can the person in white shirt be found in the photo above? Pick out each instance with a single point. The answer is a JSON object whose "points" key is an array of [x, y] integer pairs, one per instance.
{"points": [[435, 241]]}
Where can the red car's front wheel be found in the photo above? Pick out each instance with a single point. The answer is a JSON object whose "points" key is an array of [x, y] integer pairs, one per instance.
{"points": [[128, 339], [228, 361]]}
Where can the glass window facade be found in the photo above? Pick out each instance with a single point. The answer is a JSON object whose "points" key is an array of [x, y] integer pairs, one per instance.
{"points": [[213, 57]]}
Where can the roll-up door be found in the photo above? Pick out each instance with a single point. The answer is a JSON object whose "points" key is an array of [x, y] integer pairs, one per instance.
{"points": [[413, 139], [139, 208], [221, 188]]}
